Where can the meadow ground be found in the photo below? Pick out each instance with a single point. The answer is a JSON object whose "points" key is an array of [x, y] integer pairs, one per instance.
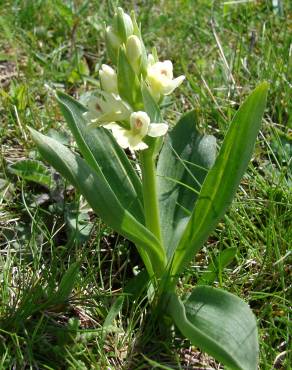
{"points": [[224, 49]]}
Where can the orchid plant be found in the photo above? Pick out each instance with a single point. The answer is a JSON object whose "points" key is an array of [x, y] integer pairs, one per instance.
{"points": [[168, 199]]}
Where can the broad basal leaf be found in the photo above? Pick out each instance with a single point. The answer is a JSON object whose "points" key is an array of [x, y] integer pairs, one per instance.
{"points": [[183, 164], [32, 170], [105, 156], [220, 324], [102, 199], [224, 177]]}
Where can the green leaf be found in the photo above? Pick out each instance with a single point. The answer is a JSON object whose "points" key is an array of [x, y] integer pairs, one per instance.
{"points": [[128, 84], [102, 199], [32, 170], [78, 223], [136, 285], [112, 314], [220, 324], [62, 137], [66, 285], [123, 28], [81, 70], [223, 179], [105, 156], [65, 12], [150, 105], [223, 259], [153, 111], [182, 167]]}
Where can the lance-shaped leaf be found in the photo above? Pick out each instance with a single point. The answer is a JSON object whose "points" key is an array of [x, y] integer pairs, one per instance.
{"points": [[105, 156], [224, 177], [150, 106], [66, 285], [112, 314], [183, 164], [220, 324], [102, 199]]}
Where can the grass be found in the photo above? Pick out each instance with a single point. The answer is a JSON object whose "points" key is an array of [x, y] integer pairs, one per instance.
{"points": [[225, 49]]}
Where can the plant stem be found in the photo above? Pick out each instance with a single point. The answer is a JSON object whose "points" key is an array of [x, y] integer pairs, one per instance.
{"points": [[151, 207]]}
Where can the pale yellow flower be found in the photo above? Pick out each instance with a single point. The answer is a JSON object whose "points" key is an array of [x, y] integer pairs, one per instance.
{"points": [[160, 77], [140, 127], [106, 108]]}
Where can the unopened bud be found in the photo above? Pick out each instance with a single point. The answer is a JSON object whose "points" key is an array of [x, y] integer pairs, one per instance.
{"points": [[134, 52], [112, 38], [113, 43], [123, 25], [108, 79]]}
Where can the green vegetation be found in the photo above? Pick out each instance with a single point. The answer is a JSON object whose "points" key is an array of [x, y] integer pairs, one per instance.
{"points": [[62, 269]]}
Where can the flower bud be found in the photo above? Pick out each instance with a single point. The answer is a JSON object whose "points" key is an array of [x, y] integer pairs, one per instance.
{"points": [[113, 43], [112, 37], [150, 60], [123, 25], [108, 79], [134, 52]]}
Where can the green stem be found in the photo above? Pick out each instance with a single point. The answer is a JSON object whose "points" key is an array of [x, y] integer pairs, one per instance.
{"points": [[150, 197]]}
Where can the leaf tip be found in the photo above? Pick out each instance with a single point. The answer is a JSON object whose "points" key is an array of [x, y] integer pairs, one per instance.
{"points": [[59, 95], [263, 87], [32, 132]]}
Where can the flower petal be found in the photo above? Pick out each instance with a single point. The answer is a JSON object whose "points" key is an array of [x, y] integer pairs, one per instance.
{"points": [[136, 142], [112, 126], [173, 84], [167, 67], [121, 135], [110, 117], [157, 129], [150, 60], [140, 146]]}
